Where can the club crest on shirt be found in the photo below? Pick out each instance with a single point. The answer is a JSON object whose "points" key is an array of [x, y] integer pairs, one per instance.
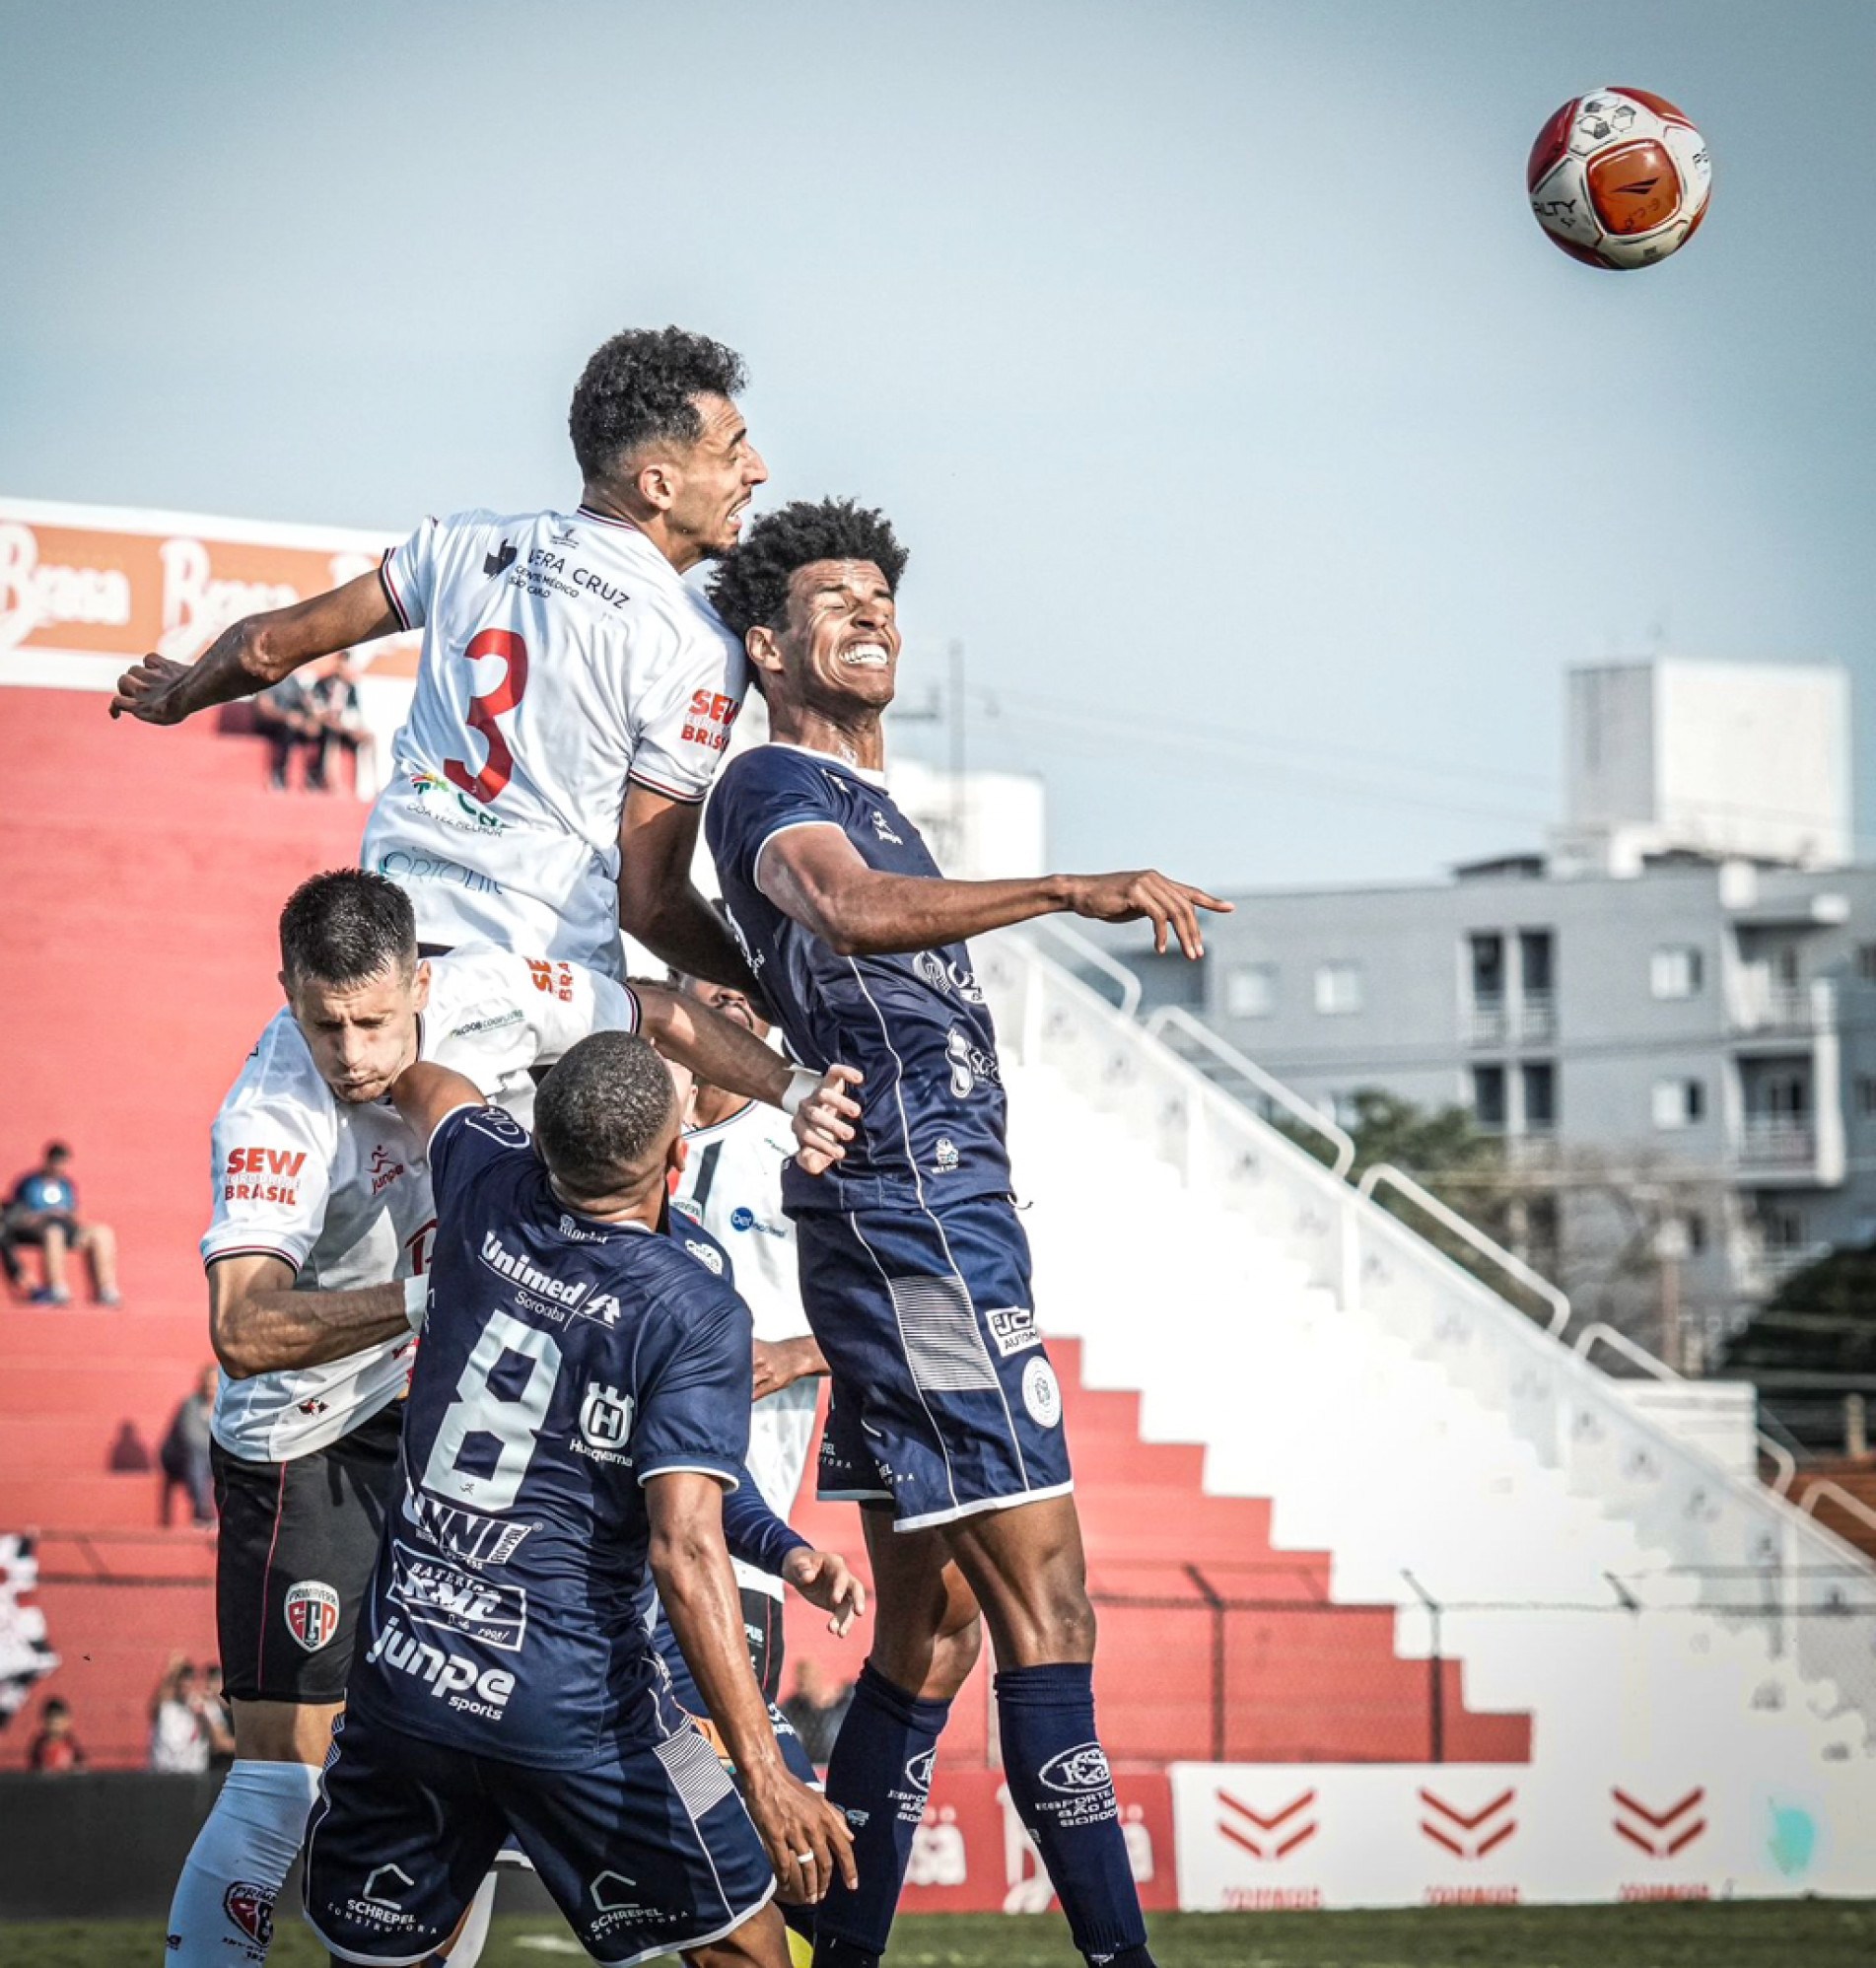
{"points": [[312, 1613]]}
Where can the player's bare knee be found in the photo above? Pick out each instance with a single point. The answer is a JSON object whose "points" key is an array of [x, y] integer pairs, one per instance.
{"points": [[955, 1654]]}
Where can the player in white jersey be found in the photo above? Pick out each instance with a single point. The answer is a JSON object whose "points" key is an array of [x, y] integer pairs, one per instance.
{"points": [[322, 1212], [574, 696], [731, 1184]]}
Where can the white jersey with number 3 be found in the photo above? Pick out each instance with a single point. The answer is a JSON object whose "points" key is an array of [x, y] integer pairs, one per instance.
{"points": [[563, 657], [342, 1193], [731, 1184]]}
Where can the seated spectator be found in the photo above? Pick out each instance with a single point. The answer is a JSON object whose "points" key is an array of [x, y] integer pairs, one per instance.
{"points": [[55, 1751], [284, 716], [817, 1709], [184, 1452], [42, 1213], [332, 697], [179, 1738]]}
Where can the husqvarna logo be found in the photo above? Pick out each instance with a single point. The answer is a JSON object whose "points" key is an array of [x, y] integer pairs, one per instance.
{"points": [[606, 1417]]}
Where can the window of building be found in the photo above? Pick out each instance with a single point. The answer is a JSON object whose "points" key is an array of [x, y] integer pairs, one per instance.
{"points": [[1338, 989], [1487, 1097], [1866, 1093], [1675, 971], [1866, 962], [1694, 1227], [1535, 963], [1540, 1094], [1781, 1228], [1487, 966], [1250, 990], [1679, 1104]]}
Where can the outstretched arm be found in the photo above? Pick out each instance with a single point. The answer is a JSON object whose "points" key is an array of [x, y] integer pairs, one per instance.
{"points": [[258, 651], [660, 904], [258, 1323], [818, 876], [698, 1590], [723, 1053]]}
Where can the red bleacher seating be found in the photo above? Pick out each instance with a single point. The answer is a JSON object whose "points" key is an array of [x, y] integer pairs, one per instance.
{"points": [[142, 874]]}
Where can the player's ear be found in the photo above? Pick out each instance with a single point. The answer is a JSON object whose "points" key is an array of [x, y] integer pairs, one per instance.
{"points": [[656, 483], [763, 649], [420, 988], [286, 989]]}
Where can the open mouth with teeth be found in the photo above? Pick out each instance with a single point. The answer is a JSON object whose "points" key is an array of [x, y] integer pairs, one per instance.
{"points": [[866, 655]]}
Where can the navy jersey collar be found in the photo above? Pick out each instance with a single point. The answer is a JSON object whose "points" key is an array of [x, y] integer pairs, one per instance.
{"points": [[865, 773]]}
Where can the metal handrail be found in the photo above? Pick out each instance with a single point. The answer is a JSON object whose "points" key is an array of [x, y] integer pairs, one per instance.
{"points": [[1841, 1497], [1091, 952], [1599, 1334], [1506, 1261], [1270, 1088]]}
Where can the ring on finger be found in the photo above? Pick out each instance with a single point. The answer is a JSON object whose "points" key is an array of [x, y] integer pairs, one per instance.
{"points": [[805, 1859]]}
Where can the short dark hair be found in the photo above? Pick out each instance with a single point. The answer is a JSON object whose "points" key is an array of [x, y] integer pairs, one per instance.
{"points": [[345, 926], [601, 1110], [57, 1151], [642, 386], [751, 584]]}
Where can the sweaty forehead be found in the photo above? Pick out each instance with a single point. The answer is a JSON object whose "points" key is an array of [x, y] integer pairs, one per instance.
{"points": [[858, 577]]}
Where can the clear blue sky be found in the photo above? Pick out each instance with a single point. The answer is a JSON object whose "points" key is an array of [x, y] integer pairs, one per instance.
{"points": [[1268, 462]]}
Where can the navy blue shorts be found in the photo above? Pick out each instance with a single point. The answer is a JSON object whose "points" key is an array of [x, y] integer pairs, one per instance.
{"points": [[644, 1849], [945, 1403]]}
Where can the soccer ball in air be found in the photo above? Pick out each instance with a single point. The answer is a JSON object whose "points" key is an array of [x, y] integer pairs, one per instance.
{"points": [[1619, 177]]}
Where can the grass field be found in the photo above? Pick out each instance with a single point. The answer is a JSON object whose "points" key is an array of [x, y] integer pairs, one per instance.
{"points": [[1738, 1934]]}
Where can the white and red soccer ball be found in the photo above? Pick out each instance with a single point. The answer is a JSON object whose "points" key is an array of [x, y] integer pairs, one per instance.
{"points": [[1619, 177]]}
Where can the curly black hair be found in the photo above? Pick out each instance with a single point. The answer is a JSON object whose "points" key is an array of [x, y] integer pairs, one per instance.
{"points": [[751, 584], [641, 386]]}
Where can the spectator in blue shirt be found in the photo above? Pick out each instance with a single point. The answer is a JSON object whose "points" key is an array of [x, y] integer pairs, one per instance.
{"points": [[42, 1212]]}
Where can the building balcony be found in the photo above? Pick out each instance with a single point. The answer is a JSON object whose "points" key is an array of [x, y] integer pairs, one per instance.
{"points": [[1766, 1010], [1777, 1143], [1530, 1019], [1533, 1152]]}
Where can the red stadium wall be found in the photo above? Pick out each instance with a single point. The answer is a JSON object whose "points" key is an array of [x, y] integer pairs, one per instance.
{"points": [[141, 874]]}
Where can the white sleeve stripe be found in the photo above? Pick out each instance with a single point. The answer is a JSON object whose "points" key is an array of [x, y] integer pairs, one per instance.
{"points": [[252, 1250], [389, 587], [722, 1476], [685, 797], [462, 1106], [775, 833]]}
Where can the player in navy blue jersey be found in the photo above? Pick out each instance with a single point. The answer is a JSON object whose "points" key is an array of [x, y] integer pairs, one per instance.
{"points": [[579, 1406], [946, 1416]]}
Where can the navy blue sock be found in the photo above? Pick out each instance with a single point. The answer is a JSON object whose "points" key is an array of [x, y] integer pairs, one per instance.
{"points": [[1064, 1792], [878, 1776]]}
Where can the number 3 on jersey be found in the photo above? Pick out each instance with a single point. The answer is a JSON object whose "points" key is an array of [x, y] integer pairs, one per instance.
{"points": [[484, 708], [486, 1441]]}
